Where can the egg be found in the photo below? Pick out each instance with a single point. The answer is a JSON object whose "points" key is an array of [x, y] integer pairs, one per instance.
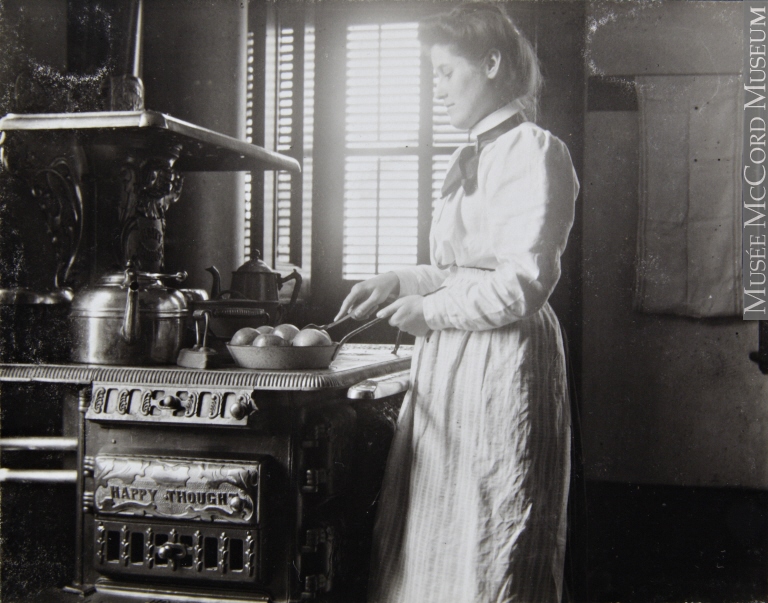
{"points": [[270, 341], [286, 331], [244, 336], [311, 337]]}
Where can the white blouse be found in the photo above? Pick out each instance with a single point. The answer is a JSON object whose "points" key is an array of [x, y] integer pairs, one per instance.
{"points": [[515, 226]]}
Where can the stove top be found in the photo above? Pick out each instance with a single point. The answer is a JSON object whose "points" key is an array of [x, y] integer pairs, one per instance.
{"points": [[355, 362]]}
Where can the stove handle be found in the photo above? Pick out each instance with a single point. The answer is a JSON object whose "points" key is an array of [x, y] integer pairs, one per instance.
{"points": [[173, 552], [380, 387], [61, 476]]}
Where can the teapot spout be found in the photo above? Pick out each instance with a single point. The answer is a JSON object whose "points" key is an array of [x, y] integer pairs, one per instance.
{"points": [[216, 286]]}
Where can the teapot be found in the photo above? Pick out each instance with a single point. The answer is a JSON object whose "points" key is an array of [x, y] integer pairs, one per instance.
{"points": [[256, 281]]}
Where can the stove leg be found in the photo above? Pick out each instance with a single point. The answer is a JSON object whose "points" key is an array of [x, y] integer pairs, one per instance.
{"points": [[77, 586]]}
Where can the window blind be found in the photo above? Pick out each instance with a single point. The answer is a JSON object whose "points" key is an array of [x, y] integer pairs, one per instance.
{"points": [[284, 142], [383, 74], [309, 145], [288, 128], [380, 214], [249, 90]]}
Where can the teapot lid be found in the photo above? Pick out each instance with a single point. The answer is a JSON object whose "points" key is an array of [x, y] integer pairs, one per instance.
{"points": [[256, 264]]}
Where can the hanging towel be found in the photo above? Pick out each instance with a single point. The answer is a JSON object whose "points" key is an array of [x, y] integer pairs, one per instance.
{"points": [[689, 230]]}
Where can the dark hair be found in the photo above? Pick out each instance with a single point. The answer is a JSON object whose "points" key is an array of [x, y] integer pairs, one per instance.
{"points": [[474, 29]]}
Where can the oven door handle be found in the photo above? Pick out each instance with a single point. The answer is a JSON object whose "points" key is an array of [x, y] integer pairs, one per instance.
{"points": [[173, 552]]}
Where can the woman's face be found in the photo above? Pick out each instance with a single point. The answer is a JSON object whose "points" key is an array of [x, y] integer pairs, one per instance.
{"points": [[466, 88]]}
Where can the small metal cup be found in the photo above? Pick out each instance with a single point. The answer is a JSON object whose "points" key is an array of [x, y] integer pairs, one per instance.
{"points": [[124, 93]]}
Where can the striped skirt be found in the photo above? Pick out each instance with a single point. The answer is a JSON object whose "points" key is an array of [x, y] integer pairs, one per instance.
{"points": [[473, 505]]}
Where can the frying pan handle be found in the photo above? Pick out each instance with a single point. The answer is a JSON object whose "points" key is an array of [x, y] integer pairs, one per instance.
{"points": [[351, 334]]}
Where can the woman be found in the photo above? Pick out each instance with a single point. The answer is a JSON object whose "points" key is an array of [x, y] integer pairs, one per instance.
{"points": [[473, 504]]}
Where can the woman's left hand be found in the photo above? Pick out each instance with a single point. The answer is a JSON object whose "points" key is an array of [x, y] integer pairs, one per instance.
{"points": [[407, 314]]}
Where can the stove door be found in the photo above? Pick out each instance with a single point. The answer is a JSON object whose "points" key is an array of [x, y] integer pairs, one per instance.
{"points": [[179, 518]]}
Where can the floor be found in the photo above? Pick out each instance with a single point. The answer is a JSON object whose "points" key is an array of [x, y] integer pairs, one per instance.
{"points": [[641, 543], [663, 543]]}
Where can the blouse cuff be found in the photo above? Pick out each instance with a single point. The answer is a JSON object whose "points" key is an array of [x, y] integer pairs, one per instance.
{"points": [[435, 311], [409, 283]]}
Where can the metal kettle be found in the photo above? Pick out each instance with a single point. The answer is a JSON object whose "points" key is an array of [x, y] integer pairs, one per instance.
{"points": [[129, 318], [257, 281]]}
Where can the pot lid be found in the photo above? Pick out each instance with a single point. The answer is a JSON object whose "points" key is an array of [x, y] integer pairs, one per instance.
{"points": [[255, 265]]}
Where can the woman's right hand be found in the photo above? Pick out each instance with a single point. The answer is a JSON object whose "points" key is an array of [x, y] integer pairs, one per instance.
{"points": [[368, 295]]}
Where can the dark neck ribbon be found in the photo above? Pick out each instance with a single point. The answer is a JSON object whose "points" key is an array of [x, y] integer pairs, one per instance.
{"points": [[464, 171]]}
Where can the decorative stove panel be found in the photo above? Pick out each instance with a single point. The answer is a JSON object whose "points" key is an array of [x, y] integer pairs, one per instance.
{"points": [[178, 489]]}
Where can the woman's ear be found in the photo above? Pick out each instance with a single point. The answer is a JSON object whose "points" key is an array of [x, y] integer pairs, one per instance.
{"points": [[492, 64]]}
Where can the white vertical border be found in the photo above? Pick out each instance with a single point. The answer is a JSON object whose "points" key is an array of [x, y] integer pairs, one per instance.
{"points": [[755, 162]]}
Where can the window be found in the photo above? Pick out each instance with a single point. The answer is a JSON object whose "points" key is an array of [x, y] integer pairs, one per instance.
{"points": [[381, 171], [386, 148], [288, 129], [351, 97]]}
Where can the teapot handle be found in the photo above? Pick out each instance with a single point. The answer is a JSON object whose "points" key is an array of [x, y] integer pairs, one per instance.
{"points": [[293, 276]]}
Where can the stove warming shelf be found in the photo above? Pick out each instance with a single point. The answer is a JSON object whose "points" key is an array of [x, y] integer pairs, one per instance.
{"points": [[201, 149]]}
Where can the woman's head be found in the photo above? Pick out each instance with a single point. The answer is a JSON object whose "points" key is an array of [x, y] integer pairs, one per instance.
{"points": [[484, 36]]}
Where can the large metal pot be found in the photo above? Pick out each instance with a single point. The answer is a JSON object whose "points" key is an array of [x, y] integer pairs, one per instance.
{"points": [[129, 318]]}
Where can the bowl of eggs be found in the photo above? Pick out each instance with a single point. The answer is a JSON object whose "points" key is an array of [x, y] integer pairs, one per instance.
{"points": [[286, 347]]}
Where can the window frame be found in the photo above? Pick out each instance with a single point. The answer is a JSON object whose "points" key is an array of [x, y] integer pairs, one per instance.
{"points": [[264, 235]]}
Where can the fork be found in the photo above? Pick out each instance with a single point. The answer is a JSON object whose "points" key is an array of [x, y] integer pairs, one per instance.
{"points": [[329, 325]]}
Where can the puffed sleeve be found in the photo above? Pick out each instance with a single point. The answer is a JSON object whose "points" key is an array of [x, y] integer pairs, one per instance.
{"points": [[526, 190]]}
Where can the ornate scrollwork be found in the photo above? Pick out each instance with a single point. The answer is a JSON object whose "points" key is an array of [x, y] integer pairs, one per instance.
{"points": [[56, 185], [99, 397], [215, 406], [59, 195], [87, 502], [160, 487], [193, 400], [146, 403], [124, 402], [250, 554], [125, 545], [198, 551], [101, 542], [223, 553], [149, 547], [149, 187]]}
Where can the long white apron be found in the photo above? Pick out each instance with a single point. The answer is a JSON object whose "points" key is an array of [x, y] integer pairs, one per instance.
{"points": [[473, 506]]}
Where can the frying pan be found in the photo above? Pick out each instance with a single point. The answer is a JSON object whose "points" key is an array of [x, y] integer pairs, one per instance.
{"points": [[292, 358]]}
